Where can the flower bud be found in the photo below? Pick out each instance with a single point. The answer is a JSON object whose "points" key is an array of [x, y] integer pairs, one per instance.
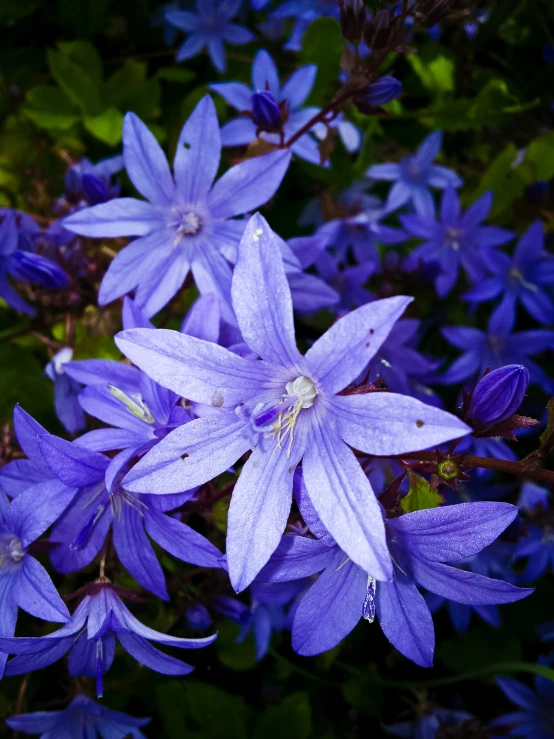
{"points": [[94, 190], [198, 617], [380, 92], [34, 268], [73, 184], [498, 395], [266, 112], [378, 31], [352, 20]]}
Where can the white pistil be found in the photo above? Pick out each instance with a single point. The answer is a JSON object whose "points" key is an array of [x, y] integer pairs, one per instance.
{"points": [[137, 408]]}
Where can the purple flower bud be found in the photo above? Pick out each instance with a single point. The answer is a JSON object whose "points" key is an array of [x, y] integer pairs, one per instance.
{"points": [[266, 112], [73, 184], [198, 617], [94, 190], [498, 395], [33, 268], [352, 19], [380, 92]]}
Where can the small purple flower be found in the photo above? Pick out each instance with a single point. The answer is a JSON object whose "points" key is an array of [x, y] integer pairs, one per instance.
{"points": [[498, 395], [82, 719], [455, 240], [210, 26], [535, 716], [527, 277], [66, 392], [90, 638], [188, 221], [94, 189], [99, 174], [414, 175], [286, 408], [304, 12]]}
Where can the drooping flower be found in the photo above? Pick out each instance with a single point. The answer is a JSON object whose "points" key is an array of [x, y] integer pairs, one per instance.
{"points": [[66, 392], [23, 265], [414, 175], [455, 240], [526, 277], [286, 408], [90, 638], [188, 221], [82, 719], [210, 26], [423, 545], [535, 716], [289, 98]]}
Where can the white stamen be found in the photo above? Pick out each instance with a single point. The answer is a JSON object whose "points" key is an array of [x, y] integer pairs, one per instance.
{"points": [[137, 408], [303, 389]]}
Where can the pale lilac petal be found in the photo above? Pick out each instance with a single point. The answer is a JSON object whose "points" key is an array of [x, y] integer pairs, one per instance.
{"points": [[384, 172], [405, 619], [28, 432], [165, 277], [342, 353], [384, 424], [330, 609], [35, 593], [118, 217], [264, 74], [248, 185], [342, 496], [299, 85], [180, 540], [239, 132], [8, 615], [107, 440], [198, 152], [203, 319], [195, 369], [98, 401], [310, 293], [261, 297], [189, 456], [101, 371], [297, 557], [455, 532], [145, 162], [307, 148], [235, 93], [212, 274], [350, 136]]}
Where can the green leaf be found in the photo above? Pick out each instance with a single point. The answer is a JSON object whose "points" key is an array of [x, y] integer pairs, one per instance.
{"points": [[49, 107], [479, 648], [85, 55], [420, 495], [175, 74], [436, 75], [322, 46], [23, 382], [79, 84], [505, 181], [539, 157], [236, 656], [292, 718], [107, 126], [364, 696]]}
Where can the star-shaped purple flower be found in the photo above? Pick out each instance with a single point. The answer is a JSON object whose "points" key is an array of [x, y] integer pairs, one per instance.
{"points": [[534, 717], [285, 408], [66, 392], [414, 175], [188, 221]]}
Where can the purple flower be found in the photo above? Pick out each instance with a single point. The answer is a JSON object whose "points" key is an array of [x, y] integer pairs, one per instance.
{"points": [[495, 348], [456, 240], [198, 617], [210, 26], [286, 408], [291, 96], [100, 174], [304, 12], [347, 281], [415, 175], [379, 93], [536, 713], [427, 726], [82, 719], [90, 638], [102, 503], [526, 277], [66, 392], [423, 545], [23, 265], [187, 222], [497, 396], [537, 545]]}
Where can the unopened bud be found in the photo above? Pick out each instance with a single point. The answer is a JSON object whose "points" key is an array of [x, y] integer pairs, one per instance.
{"points": [[266, 112], [94, 190], [198, 617], [73, 184], [352, 20], [377, 31], [380, 92], [498, 395]]}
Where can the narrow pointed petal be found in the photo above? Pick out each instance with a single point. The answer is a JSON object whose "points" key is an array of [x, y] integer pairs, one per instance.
{"points": [[72, 465], [203, 319], [235, 93], [248, 185], [297, 557], [102, 371], [342, 353], [34, 653], [429, 148], [34, 510], [238, 132], [180, 540], [384, 172], [28, 432], [146, 163], [521, 695], [261, 297], [405, 619], [36, 594], [118, 217], [387, 423], [166, 276], [212, 274], [190, 456], [265, 74], [198, 152], [299, 85], [151, 657]]}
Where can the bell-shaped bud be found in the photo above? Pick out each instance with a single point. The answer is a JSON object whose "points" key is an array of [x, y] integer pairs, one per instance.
{"points": [[378, 30], [380, 92], [266, 112], [34, 268], [94, 189], [352, 20], [498, 395], [73, 184], [198, 617]]}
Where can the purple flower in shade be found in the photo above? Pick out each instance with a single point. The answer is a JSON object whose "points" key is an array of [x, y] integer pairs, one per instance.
{"points": [[537, 545], [23, 265], [66, 392], [99, 175], [198, 617], [210, 26], [289, 97], [82, 719], [414, 175], [423, 545], [427, 726], [266, 614], [304, 12], [347, 281], [102, 503], [285, 408], [495, 348], [535, 716], [455, 240], [497, 396], [188, 222], [24, 582], [526, 276], [90, 637]]}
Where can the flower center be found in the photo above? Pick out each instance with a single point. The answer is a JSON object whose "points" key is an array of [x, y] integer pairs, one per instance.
{"points": [[496, 343], [412, 169], [187, 223], [11, 551], [515, 275], [452, 237]]}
